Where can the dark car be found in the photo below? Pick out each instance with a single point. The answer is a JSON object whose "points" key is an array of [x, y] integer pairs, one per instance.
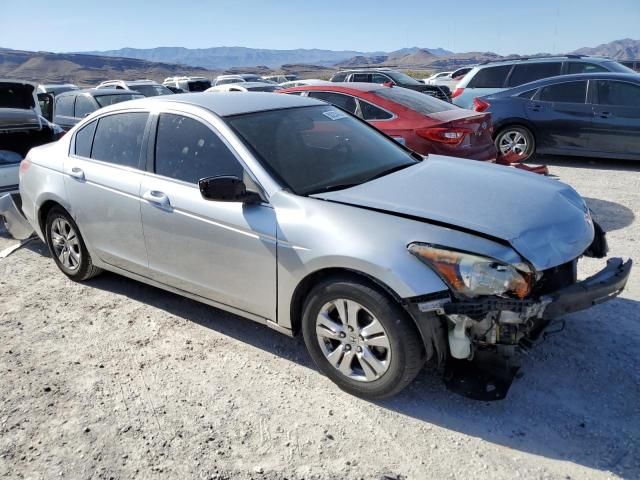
{"points": [[71, 107], [590, 114], [392, 77]]}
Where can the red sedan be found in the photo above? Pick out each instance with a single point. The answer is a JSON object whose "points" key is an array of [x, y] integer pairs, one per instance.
{"points": [[423, 123]]}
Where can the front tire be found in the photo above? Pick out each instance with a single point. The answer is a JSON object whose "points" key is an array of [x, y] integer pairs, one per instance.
{"points": [[515, 143], [361, 339], [67, 246]]}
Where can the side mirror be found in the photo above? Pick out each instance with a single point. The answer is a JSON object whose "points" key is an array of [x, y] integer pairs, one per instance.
{"points": [[227, 188]]}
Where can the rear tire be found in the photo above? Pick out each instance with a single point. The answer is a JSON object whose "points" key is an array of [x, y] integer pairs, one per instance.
{"points": [[67, 246], [515, 143], [361, 339]]}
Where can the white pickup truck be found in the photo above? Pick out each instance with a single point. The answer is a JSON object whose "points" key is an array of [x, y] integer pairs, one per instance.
{"points": [[22, 127]]}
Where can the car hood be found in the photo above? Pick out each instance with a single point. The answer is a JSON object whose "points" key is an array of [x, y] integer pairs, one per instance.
{"points": [[544, 220]]}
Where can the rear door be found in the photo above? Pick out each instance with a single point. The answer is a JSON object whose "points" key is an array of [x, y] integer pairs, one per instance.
{"points": [[102, 179], [222, 251], [562, 117], [616, 118]]}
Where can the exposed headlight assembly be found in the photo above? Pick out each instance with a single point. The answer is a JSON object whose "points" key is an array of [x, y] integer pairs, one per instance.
{"points": [[473, 275]]}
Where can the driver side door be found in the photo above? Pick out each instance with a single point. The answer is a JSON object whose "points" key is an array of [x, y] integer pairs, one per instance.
{"points": [[222, 251]]}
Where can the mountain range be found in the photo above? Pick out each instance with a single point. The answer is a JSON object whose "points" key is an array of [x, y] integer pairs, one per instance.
{"points": [[227, 57], [625, 49]]}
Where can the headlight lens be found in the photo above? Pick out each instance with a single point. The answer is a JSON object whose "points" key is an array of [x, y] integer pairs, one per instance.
{"points": [[473, 275]]}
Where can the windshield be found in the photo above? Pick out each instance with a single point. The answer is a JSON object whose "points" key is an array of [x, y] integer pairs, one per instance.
{"points": [[403, 78], [416, 101], [319, 148], [150, 90], [106, 100], [199, 85], [265, 88]]}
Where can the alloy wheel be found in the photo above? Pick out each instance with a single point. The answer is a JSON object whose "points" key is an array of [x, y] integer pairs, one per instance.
{"points": [[513, 142], [353, 340], [66, 245]]}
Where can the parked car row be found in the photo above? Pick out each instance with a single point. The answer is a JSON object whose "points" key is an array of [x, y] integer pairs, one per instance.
{"points": [[301, 216]]}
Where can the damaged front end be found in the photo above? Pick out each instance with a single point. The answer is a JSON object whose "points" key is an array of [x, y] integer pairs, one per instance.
{"points": [[493, 311]]}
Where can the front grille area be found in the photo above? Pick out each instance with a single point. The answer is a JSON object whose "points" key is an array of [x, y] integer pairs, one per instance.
{"points": [[556, 278]]}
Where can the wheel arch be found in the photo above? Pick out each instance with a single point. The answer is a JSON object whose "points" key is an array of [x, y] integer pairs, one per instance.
{"points": [[515, 122]]}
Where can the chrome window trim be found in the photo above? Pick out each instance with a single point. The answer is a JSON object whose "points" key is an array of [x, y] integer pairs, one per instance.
{"points": [[358, 100]]}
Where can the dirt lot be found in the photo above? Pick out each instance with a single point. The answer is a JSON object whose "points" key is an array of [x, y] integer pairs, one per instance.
{"points": [[115, 379]]}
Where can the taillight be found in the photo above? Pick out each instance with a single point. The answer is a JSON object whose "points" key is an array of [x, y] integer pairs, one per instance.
{"points": [[24, 166], [450, 136], [480, 105], [457, 92]]}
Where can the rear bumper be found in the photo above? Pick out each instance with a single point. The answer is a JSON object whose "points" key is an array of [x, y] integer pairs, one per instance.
{"points": [[15, 222]]}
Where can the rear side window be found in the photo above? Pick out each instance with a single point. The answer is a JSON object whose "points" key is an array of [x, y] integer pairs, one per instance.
{"points": [[345, 102], [339, 77], [567, 92], [188, 150], [584, 67], [618, 93], [118, 138], [416, 101], [490, 77], [361, 77], [371, 112], [528, 94], [84, 106], [379, 78], [84, 139], [64, 106], [528, 72]]}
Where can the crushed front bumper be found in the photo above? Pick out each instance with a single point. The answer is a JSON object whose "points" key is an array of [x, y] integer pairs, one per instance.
{"points": [[601, 287], [14, 220]]}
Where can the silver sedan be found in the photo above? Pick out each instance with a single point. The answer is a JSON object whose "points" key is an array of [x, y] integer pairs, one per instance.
{"points": [[295, 214]]}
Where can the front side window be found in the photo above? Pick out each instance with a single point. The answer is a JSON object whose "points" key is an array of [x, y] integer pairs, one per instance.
{"points": [[584, 67], [84, 139], [188, 150], [618, 93], [566, 92], [345, 102], [490, 77], [371, 112], [84, 106], [64, 105], [379, 78], [319, 148], [118, 138], [529, 72]]}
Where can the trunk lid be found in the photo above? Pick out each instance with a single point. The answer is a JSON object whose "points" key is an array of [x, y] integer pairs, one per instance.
{"points": [[544, 220], [478, 124]]}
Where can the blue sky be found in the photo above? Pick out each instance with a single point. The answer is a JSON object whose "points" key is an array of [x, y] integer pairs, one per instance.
{"points": [[515, 26]]}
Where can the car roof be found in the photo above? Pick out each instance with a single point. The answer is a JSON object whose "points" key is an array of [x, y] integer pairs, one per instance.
{"points": [[543, 59], [575, 77], [343, 86], [97, 92], [250, 84], [225, 104]]}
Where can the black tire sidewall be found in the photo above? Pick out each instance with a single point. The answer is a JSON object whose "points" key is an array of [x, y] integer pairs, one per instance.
{"points": [[531, 149], [85, 263], [390, 315]]}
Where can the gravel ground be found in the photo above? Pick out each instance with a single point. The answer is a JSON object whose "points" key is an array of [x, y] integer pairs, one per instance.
{"points": [[116, 379]]}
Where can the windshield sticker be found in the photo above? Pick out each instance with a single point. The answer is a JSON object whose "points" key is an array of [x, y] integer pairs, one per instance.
{"points": [[335, 114]]}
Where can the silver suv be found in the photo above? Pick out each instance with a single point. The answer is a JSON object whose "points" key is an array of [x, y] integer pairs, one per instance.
{"points": [[188, 84], [148, 88], [493, 77]]}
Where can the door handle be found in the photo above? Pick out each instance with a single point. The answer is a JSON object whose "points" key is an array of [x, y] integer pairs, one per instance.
{"points": [[535, 108], [77, 173], [603, 114], [157, 198]]}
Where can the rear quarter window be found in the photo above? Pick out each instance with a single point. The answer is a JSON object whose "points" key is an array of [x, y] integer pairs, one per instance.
{"points": [[84, 140], [490, 77], [64, 106], [529, 72]]}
